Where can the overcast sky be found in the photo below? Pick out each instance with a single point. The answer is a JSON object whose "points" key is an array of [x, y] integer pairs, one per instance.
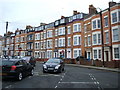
{"points": [[20, 13]]}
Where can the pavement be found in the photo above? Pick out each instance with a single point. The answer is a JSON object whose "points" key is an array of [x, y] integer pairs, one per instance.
{"points": [[94, 67], [100, 68]]}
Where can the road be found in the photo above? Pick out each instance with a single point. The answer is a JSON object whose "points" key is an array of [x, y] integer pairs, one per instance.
{"points": [[72, 77]]}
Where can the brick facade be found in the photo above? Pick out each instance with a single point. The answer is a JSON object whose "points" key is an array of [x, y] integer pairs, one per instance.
{"points": [[77, 35]]}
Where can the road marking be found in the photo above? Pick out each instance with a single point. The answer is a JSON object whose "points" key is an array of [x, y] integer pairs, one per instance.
{"points": [[79, 82], [8, 86], [50, 75], [55, 86], [97, 82]]}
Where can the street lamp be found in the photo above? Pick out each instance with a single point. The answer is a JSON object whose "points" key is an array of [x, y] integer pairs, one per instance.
{"points": [[102, 40], [20, 51]]}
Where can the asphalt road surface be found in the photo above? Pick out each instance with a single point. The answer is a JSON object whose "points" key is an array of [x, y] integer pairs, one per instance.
{"points": [[72, 77]]}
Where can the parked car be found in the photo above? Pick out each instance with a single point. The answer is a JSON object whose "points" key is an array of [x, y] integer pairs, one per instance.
{"points": [[53, 65], [30, 60], [15, 68]]}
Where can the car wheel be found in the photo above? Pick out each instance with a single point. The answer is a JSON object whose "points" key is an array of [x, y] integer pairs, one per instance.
{"points": [[63, 69], [20, 76], [60, 70], [44, 71], [31, 72]]}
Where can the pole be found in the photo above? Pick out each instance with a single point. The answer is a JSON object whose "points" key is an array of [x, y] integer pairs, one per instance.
{"points": [[102, 37], [6, 37]]}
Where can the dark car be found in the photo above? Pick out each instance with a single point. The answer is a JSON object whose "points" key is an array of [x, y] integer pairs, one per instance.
{"points": [[15, 68], [53, 65], [30, 60]]}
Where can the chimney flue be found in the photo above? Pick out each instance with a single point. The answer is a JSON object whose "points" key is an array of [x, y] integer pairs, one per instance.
{"points": [[111, 3], [74, 12], [92, 9]]}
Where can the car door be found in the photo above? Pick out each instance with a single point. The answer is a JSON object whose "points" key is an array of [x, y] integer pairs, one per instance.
{"points": [[27, 66], [62, 64]]}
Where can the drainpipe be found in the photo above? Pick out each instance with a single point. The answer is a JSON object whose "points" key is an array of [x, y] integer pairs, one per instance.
{"points": [[102, 40], [111, 54]]}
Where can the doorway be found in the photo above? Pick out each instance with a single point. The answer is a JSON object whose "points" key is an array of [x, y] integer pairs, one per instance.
{"points": [[107, 55]]}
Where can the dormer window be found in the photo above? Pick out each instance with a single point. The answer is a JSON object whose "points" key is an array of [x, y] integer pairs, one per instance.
{"points": [[75, 17], [56, 23], [62, 21], [70, 19], [17, 33], [79, 16]]}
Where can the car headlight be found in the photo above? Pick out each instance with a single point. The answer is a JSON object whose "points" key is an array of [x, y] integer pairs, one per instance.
{"points": [[44, 66], [57, 66]]}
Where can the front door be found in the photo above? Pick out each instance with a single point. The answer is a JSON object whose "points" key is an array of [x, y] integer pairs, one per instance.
{"points": [[107, 56]]}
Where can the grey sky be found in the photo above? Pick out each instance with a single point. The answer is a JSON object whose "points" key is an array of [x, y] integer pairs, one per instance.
{"points": [[32, 12]]}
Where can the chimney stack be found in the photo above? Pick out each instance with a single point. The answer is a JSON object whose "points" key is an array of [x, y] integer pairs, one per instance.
{"points": [[111, 3], [92, 9], [62, 17], [28, 27], [75, 12], [42, 24]]}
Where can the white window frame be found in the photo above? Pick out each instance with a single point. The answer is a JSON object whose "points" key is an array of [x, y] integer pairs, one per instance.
{"points": [[61, 42], [69, 30], [69, 41], [77, 42], [78, 52], [105, 21], [96, 20], [97, 48], [116, 46], [78, 28], [49, 53], [118, 28], [49, 34], [96, 33], [61, 31], [117, 12]]}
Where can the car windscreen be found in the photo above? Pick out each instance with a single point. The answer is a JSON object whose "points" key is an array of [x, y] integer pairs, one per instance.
{"points": [[8, 63], [53, 61]]}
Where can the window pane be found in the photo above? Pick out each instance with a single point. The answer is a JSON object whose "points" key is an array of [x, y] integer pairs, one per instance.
{"points": [[99, 38], [94, 39], [106, 37], [115, 34], [106, 21], [94, 24], [116, 52], [95, 53], [99, 25], [114, 17]]}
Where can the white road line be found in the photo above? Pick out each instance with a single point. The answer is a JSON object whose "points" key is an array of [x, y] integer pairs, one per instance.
{"points": [[97, 82], [50, 75], [79, 82], [8, 86], [94, 78], [55, 86]]}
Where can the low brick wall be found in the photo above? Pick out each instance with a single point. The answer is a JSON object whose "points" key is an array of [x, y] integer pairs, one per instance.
{"points": [[98, 63], [42, 60]]}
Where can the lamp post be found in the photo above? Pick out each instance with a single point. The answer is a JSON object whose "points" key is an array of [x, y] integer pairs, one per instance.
{"points": [[102, 40], [20, 51]]}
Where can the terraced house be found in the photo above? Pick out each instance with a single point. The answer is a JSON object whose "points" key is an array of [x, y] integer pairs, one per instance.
{"points": [[95, 35]]}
